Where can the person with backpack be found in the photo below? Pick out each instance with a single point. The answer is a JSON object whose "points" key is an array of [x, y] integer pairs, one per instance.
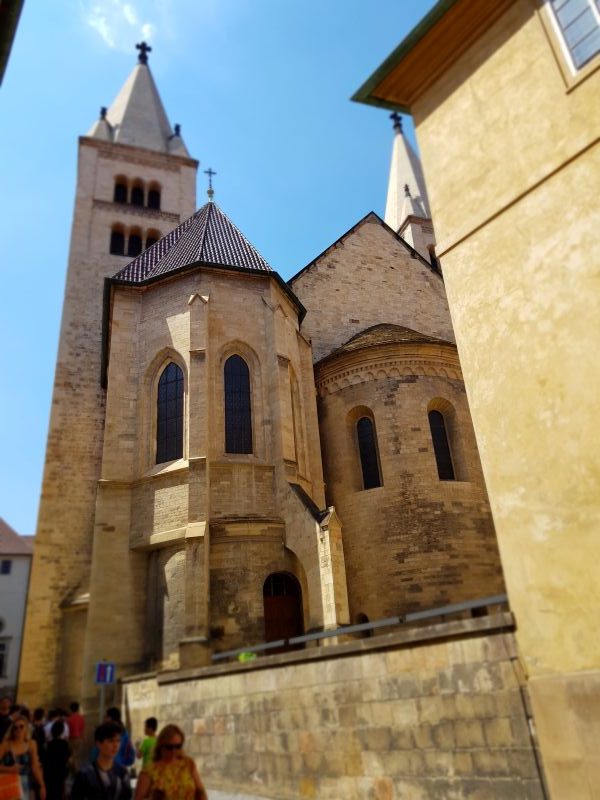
{"points": [[125, 756]]}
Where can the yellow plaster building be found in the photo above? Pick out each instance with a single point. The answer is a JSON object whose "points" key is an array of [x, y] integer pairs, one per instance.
{"points": [[234, 459], [504, 97]]}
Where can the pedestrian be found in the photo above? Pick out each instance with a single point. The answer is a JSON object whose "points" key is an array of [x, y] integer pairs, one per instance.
{"points": [[103, 779], [126, 755], [56, 762], [146, 747], [76, 722], [171, 775], [54, 715], [18, 754], [38, 734], [5, 720]]}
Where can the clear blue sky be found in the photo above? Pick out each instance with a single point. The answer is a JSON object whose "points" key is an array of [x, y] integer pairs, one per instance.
{"points": [[261, 89]]}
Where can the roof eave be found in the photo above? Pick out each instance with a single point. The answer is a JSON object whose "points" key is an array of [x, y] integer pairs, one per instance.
{"points": [[364, 93], [341, 352], [429, 50], [263, 273]]}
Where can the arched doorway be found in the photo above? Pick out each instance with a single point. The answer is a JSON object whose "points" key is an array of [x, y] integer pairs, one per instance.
{"points": [[282, 600]]}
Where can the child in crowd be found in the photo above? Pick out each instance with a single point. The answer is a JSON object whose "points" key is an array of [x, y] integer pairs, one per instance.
{"points": [[145, 750]]}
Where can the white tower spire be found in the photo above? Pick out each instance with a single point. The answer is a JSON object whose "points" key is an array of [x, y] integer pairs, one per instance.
{"points": [[137, 116], [407, 207]]}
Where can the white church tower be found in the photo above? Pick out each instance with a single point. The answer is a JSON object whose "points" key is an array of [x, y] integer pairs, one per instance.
{"points": [[407, 208], [135, 182]]}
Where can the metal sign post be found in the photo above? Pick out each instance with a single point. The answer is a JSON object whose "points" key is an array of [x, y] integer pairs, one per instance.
{"points": [[105, 674]]}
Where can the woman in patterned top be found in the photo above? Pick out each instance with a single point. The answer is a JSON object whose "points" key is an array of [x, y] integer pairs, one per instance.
{"points": [[18, 754], [172, 775]]}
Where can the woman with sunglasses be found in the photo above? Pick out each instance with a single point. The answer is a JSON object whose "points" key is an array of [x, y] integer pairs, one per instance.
{"points": [[172, 775], [18, 754]]}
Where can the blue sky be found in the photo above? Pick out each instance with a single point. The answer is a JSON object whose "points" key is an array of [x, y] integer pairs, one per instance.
{"points": [[261, 89]]}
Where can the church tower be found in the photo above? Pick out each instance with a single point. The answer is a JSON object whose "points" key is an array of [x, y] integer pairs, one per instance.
{"points": [[407, 209], [135, 182]]}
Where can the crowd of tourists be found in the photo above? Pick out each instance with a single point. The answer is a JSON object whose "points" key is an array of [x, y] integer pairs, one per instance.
{"points": [[44, 756]]}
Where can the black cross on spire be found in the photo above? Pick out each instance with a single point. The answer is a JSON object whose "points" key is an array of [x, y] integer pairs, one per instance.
{"points": [[143, 54], [210, 172], [397, 119]]}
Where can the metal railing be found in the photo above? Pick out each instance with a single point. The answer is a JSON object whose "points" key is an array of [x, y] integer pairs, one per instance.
{"points": [[415, 616]]}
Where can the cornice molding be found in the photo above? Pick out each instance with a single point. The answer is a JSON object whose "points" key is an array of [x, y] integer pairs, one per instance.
{"points": [[387, 362], [138, 155], [135, 211]]}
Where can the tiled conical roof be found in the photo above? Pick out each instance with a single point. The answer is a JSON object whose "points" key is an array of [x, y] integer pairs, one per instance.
{"points": [[208, 236]]}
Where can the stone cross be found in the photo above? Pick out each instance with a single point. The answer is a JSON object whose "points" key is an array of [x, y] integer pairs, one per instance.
{"points": [[397, 119], [143, 54], [210, 172]]}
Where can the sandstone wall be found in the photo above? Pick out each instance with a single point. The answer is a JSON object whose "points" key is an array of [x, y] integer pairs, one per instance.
{"points": [[366, 278], [64, 540], [388, 719], [415, 541]]}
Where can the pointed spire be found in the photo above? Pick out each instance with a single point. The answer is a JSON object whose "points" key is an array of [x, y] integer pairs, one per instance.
{"points": [[407, 194], [137, 116]]}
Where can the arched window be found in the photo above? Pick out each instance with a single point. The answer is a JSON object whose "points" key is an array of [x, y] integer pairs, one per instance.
{"points": [[441, 448], [169, 415], [238, 411], [151, 238], [137, 195], [367, 448], [134, 247], [154, 198], [117, 242], [120, 194]]}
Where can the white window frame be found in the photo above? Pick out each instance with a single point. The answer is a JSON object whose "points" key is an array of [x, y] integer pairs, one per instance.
{"points": [[558, 32]]}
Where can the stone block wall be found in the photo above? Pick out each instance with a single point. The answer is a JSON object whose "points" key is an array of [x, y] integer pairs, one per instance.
{"points": [[365, 278], [425, 714], [437, 535]]}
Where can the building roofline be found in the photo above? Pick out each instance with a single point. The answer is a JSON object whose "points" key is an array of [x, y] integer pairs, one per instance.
{"points": [[450, 27], [421, 29], [351, 230]]}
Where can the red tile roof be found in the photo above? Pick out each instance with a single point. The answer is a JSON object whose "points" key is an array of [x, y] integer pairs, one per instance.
{"points": [[11, 544]]}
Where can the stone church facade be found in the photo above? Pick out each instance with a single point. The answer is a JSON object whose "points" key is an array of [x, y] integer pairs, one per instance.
{"points": [[233, 458]]}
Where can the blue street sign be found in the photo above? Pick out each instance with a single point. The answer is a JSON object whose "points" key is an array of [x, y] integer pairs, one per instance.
{"points": [[105, 672]]}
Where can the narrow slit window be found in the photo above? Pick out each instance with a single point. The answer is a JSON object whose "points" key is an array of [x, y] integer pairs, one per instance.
{"points": [[238, 407], [117, 243], [367, 448], [135, 245], [154, 199], [137, 196], [169, 415], [441, 447], [120, 194]]}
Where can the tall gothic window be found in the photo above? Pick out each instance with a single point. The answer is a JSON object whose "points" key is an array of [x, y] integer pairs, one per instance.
{"points": [[367, 448], [238, 412], [169, 415], [441, 447]]}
